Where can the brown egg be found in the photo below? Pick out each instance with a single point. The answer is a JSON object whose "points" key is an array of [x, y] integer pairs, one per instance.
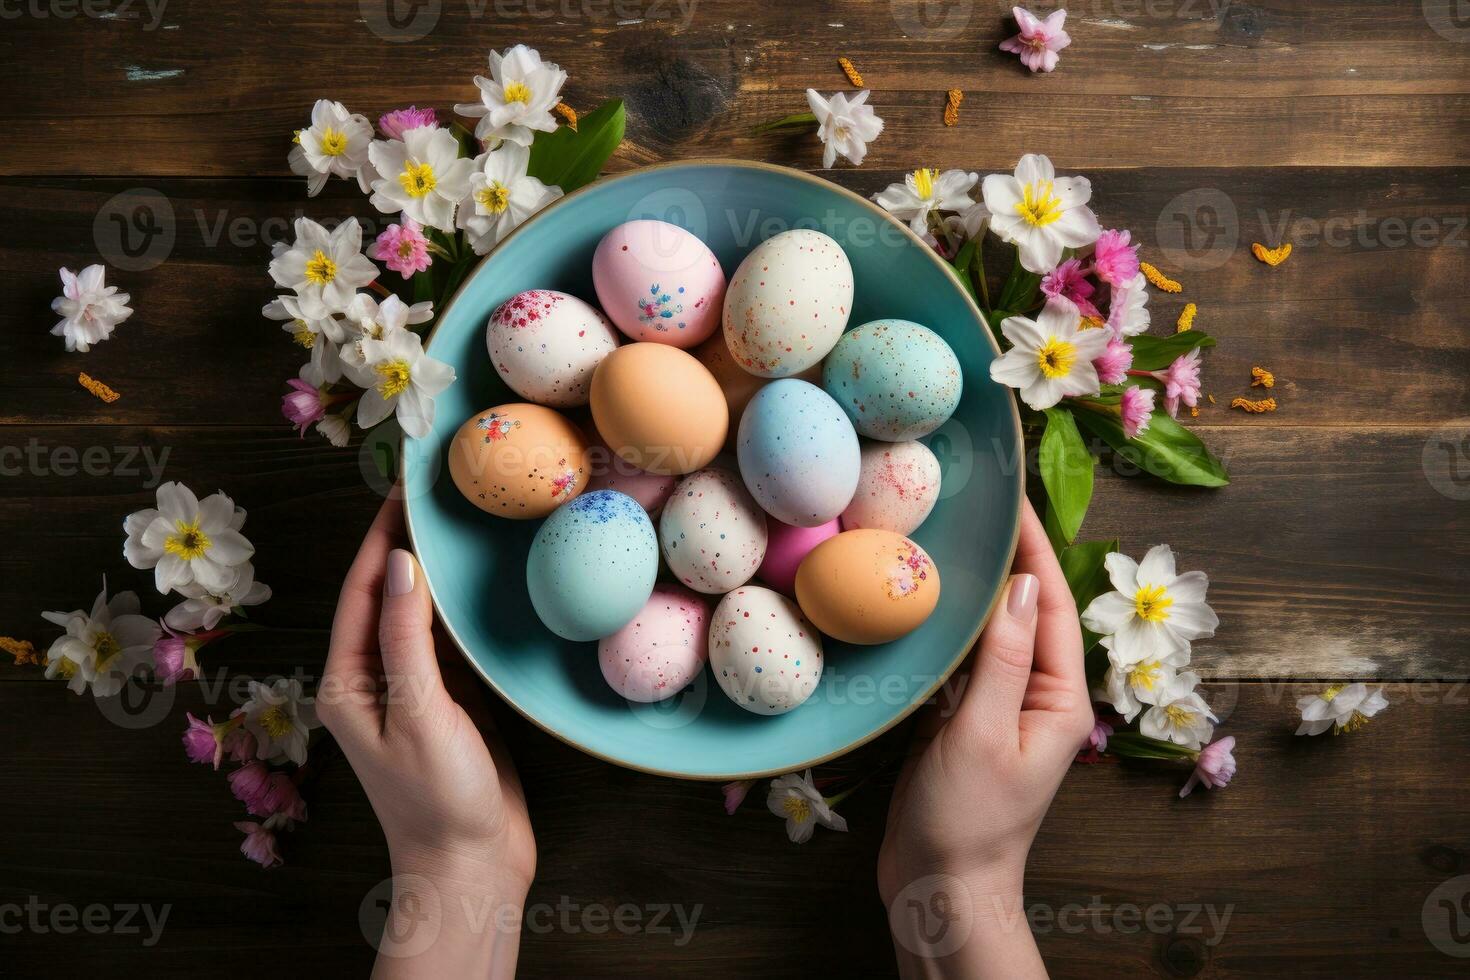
{"points": [[738, 384], [519, 460], [659, 408], [867, 586]]}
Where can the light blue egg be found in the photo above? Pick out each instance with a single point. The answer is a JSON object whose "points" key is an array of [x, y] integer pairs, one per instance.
{"points": [[798, 454], [592, 565], [895, 379]]}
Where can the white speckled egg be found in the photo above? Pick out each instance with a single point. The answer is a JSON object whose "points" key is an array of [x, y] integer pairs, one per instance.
{"points": [[895, 379], [712, 533], [897, 487], [798, 454], [664, 648], [546, 344], [765, 655], [659, 283], [788, 303]]}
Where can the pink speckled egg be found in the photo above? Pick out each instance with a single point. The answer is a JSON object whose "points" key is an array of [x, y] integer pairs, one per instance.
{"points": [[712, 532], [766, 656], [546, 345], [897, 487], [659, 283], [661, 650], [609, 471], [786, 546]]}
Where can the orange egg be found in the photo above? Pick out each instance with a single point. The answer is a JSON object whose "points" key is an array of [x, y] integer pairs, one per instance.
{"points": [[520, 460], [659, 408], [738, 384], [867, 586]]}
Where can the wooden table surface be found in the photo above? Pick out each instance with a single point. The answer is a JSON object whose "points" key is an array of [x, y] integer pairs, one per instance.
{"points": [[1340, 549]]}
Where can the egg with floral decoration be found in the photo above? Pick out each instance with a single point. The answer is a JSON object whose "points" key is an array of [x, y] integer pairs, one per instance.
{"points": [[662, 650], [898, 486], [788, 303], [867, 586], [765, 655], [712, 532], [519, 460], [659, 283], [897, 380], [545, 345]]}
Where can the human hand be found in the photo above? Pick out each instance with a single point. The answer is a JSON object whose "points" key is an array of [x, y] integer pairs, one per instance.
{"points": [[985, 762], [439, 779]]}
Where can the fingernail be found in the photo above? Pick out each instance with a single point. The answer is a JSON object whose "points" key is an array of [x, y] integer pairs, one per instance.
{"points": [[400, 572], [1021, 603]]}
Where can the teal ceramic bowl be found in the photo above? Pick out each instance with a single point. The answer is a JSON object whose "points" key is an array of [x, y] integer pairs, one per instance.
{"points": [[475, 563]]}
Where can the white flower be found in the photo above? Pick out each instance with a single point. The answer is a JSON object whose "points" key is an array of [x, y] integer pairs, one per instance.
{"points": [[844, 127], [324, 367], [187, 540], [1039, 212], [517, 98], [1181, 715], [422, 175], [335, 144], [1342, 708], [972, 221], [1154, 614], [800, 802], [324, 269], [102, 648], [335, 429], [202, 609], [367, 319], [1050, 358], [90, 308], [924, 191], [1128, 313], [398, 377], [288, 311], [279, 718], [1130, 686], [501, 196]]}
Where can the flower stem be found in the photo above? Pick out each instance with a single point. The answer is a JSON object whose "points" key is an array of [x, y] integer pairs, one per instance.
{"points": [[798, 119]]}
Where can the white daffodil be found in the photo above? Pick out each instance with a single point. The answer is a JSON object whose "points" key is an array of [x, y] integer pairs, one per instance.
{"points": [[1039, 212], [1342, 708], [421, 175], [517, 99], [187, 541], [102, 648], [336, 429], [801, 804], [1128, 313], [501, 196], [1155, 613], [202, 609], [287, 310], [398, 377], [843, 126], [1180, 715], [969, 223], [335, 144], [280, 719], [324, 269], [367, 319], [924, 191], [1128, 687], [90, 308], [1050, 357]]}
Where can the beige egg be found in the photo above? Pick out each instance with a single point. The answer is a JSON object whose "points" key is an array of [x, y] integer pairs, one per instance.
{"points": [[867, 586], [738, 384], [519, 460], [659, 408]]}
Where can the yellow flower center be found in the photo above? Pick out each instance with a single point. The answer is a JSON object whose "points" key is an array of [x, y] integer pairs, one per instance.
{"points": [[321, 270], [924, 183], [495, 198], [275, 721], [106, 647], [396, 376], [187, 541], [303, 335], [797, 808], [334, 142], [1055, 358], [1144, 676], [518, 92], [417, 178], [67, 668], [1332, 692], [1179, 717], [1039, 204], [1152, 603], [1358, 720]]}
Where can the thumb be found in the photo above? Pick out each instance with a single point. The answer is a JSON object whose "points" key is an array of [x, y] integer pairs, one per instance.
{"points": [[405, 637], [992, 704]]}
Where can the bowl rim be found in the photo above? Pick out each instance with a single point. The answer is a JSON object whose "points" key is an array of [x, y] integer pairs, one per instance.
{"points": [[1015, 520]]}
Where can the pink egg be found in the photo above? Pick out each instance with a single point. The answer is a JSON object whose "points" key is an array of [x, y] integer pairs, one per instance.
{"points": [[664, 648], [659, 283], [609, 471], [786, 546]]}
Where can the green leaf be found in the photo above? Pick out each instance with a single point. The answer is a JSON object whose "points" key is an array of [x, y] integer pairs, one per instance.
{"points": [[570, 159], [1136, 746], [1157, 353], [797, 119], [1087, 577], [1166, 449], [1066, 470]]}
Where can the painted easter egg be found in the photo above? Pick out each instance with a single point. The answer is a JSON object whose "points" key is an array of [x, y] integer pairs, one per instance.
{"points": [[609, 471], [895, 379], [661, 650], [786, 546], [712, 533], [658, 408], [546, 344], [867, 586], [738, 384], [897, 487], [659, 283], [519, 460], [787, 303], [798, 454], [765, 656]]}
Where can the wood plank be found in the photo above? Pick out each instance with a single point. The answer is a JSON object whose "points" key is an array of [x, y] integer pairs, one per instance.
{"points": [[1334, 552], [1314, 890], [1266, 84], [1369, 307]]}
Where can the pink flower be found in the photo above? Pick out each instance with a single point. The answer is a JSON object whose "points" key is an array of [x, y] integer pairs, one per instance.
{"points": [[735, 794], [281, 797], [402, 248], [237, 743], [1039, 40], [1113, 259], [1136, 407], [175, 654], [394, 124], [1181, 382], [1215, 767], [251, 783], [303, 405], [1069, 280], [1112, 366], [200, 744], [1097, 739], [259, 844]]}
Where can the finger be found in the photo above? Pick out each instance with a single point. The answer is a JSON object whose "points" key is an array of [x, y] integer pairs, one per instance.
{"points": [[992, 701], [1058, 632], [406, 639]]}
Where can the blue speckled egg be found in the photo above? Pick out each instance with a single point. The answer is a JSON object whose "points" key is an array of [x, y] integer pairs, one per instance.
{"points": [[592, 566], [798, 454], [895, 379]]}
